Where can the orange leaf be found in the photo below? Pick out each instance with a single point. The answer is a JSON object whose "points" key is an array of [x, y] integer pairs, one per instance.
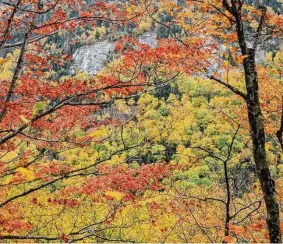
{"points": [[228, 239]]}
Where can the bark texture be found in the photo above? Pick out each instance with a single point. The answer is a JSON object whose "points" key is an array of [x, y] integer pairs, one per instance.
{"points": [[256, 120]]}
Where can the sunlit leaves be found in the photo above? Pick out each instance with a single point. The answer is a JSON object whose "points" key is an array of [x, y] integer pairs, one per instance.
{"points": [[28, 174], [39, 107], [115, 195], [146, 168], [100, 133]]}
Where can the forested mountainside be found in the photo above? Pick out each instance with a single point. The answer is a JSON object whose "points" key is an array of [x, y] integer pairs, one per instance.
{"points": [[274, 4], [141, 121]]}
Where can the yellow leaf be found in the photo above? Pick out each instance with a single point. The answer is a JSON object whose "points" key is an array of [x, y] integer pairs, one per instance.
{"points": [[82, 76], [3, 60], [98, 133], [115, 194], [129, 10], [26, 172], [9, 156], [24, 119]]}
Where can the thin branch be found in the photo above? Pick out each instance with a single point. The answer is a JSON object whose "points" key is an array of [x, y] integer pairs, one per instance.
{"points": [[10, 20], [232, 88], [260, 26], [32, 11], [35, 39], [16, 74]]}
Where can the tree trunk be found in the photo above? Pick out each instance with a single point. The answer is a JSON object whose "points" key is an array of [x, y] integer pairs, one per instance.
{"points": [[256, 120], [256, 123]]}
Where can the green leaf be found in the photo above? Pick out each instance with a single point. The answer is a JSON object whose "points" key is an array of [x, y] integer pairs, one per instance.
{"points": [[38, 107]]}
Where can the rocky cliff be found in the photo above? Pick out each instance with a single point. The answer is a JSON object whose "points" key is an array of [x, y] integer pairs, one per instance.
{"points": [[93, 58]]}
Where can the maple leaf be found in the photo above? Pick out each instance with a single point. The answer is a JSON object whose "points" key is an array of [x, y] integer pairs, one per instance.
{"points": [[115, 195], [241, 58]]}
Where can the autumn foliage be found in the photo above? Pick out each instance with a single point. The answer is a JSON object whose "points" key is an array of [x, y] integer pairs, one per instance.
{"points": [[180, 141]]}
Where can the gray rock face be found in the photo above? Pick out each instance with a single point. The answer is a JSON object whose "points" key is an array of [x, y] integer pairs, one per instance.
{"points": [[149, 38], [260, 52], [93, 58], [264, 46]]}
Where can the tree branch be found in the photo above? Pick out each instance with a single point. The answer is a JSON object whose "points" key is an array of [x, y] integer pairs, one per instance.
{"points": [[279, 133], [16, 74], [260, 26], [232, 88]]}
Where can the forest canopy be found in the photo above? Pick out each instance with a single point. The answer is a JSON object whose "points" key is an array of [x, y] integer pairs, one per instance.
{"points": [[141, 121]]}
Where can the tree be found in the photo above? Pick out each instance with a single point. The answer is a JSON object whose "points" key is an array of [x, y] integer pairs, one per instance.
{"points": [[255, 116], [231, 23], [91, 150], [44, 112]]}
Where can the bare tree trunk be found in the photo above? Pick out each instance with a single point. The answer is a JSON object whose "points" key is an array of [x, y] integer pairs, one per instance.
{"points": [[256, 120], [256, 123]]}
